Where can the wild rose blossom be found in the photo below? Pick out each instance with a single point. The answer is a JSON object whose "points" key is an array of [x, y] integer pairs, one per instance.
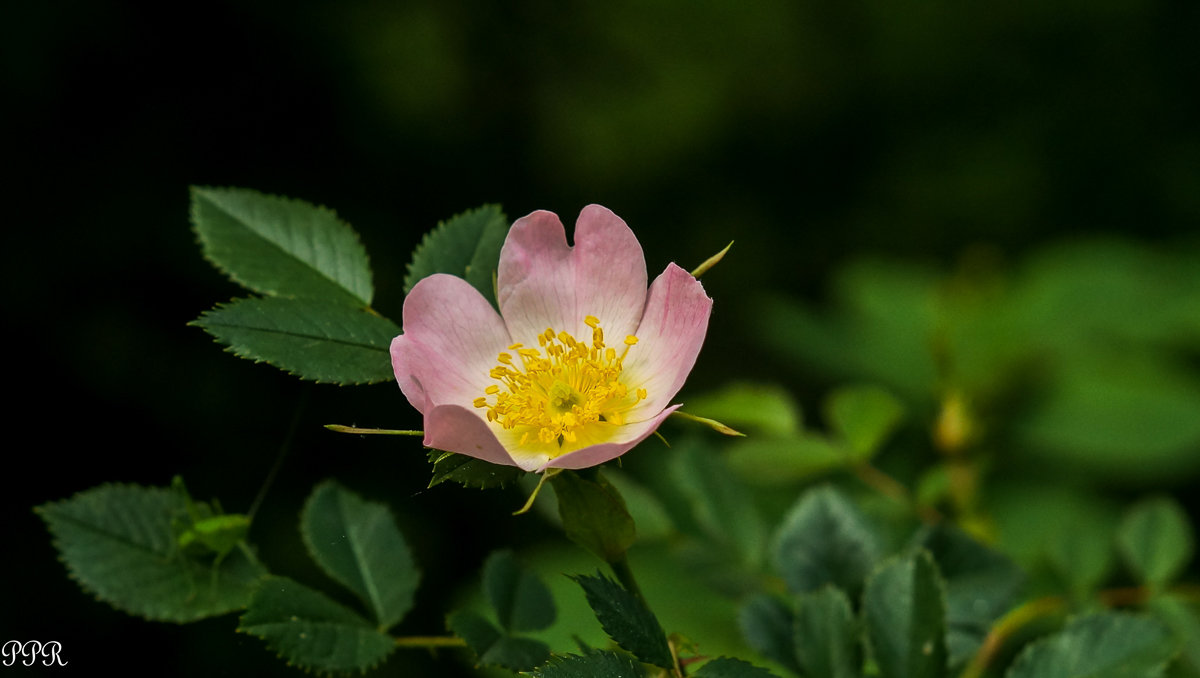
{"points": [[579, 365]]}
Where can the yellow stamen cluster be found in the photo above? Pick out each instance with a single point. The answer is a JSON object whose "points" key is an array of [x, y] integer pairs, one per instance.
{"points": [[561, 389]]}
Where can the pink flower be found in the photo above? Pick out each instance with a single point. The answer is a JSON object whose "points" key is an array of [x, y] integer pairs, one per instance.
{"points": [[580, 364]]}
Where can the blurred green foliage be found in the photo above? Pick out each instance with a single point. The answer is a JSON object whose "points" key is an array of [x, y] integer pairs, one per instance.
{"points": [[914, 190]]}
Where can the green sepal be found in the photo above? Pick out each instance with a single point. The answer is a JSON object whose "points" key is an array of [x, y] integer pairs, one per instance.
{"points": [[470, 472], [594, 514]]}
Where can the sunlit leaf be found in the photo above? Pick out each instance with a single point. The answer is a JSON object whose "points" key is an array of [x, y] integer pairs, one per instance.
{"points": [[279, 246], [786, 461], [594, 514], [1156, 540], [757, 408], [864, 416]]}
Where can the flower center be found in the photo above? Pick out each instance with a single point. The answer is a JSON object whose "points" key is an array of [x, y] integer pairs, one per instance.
{"points": [[564, 388]]}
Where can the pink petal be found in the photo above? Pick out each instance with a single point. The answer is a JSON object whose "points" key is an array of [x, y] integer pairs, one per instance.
{"points": [[544, 282], [455, 428], [610, 281], [628, 437], [669, 339], [451, 338]]}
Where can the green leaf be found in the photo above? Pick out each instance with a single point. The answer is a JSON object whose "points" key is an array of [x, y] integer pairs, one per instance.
{"points": [[727, 667], [722, 506], [1081, 555], [468, 246], [277, 246], [1155, 539], [312, 339], [864, 416], [626, 619], [765, 408], [767, 625], [785, 461], [470, 472], [521, 601], [311, 631], [594, 514], [492, 647], [117, 541], [826, 635], [517, 654], [603, 664], [1184, 622], [479, 633], [981, 585], [825, 539], [1117, 416], [905, 613], [1105, 645], [357, 543]]}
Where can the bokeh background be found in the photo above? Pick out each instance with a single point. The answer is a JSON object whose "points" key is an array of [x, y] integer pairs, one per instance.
{"points": [[892, 173]]}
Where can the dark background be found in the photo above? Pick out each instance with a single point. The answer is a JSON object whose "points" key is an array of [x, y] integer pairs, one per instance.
{"points": [[810, 132]]}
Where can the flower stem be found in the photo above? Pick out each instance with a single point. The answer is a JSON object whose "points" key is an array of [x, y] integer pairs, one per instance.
{"points": [[894, 489], [339, 428], [1008, 625]]}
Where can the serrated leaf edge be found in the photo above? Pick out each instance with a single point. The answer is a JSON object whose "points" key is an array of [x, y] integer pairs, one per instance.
{"points": [[192, 214], [233, 350]]}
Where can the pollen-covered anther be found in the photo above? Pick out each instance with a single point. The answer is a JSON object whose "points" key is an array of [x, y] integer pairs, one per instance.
{"points": [[566, 390]]}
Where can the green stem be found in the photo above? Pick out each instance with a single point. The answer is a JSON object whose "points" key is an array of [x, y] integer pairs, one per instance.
{"points": [[340, 428], [1008, 625], [620, 567], [895, 490], [430, 641]]}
